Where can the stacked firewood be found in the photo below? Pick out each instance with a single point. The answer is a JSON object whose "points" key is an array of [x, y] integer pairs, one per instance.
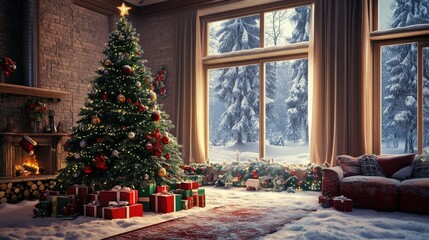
{"points": [[18, 191]]}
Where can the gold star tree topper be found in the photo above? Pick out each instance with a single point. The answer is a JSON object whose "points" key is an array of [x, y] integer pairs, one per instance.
{"points": [[124, 9]]}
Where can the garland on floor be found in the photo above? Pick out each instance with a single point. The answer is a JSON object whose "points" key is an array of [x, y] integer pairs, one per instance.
{"points": [[272, 176]]}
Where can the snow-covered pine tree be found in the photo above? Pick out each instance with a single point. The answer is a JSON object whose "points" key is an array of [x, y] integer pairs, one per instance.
{"points": [[122, 136], [297, 102], [238, 87], [401, 89]]}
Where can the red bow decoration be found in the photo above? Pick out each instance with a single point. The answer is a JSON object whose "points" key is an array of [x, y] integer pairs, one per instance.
{"points": [[7, 65]]}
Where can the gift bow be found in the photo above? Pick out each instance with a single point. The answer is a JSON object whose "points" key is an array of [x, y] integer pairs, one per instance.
{"points": [[341, 198], [118, 203], [122, 189]]}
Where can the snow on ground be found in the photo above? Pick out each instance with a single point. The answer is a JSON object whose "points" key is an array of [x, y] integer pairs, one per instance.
{"points": [[16, 221], [291, 153]]}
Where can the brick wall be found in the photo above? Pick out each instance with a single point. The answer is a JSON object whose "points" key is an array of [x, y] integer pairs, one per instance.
{"points": [[156, 39], [71, 41]]}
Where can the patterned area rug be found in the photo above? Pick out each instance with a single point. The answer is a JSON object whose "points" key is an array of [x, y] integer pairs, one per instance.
{"points": [[225, 222]]}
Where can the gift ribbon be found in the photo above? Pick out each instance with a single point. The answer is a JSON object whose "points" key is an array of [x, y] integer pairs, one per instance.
{"points": [[341, 198], [144, 199]]}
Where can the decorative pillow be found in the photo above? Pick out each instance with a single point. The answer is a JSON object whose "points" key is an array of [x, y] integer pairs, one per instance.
{"points": [[420, 167], [350, 165], [403, 173], [390, 164], [370, 165]]}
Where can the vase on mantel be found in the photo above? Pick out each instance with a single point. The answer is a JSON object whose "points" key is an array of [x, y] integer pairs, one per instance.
{"points": [[36, 126]]}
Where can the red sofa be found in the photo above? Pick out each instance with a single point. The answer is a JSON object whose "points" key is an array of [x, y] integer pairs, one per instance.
{"points": [[378, 192]]}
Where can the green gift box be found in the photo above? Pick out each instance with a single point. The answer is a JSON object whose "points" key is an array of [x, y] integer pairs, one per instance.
{"points": [[147, 190], [201, 191], [178, 202], [186, 194], [146, 203]]}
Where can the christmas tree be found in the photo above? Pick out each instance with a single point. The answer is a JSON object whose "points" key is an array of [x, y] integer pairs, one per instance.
{"points": [[122, 136]]}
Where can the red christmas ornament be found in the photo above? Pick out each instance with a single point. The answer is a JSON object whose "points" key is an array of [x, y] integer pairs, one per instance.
{"points": [[156, 116], [136, 104], [87, 169], [105, 96], [124, 128], [254, 172], [126, 69], [165, 140], [148, 146], [142, 108], [239, 177], [293, 173], [300, 183], [167, 156], [129, 100], [316, 175], [101, 166], [158, 153], [255, 176], [169, 176], [315, 169], [156, 134], [100, 140]]}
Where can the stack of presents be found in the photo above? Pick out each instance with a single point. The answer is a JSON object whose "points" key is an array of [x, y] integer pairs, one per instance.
{"points": [[120, 202], [340, 203]]}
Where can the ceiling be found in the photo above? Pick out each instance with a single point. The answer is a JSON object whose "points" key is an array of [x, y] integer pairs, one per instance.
{"points": [[140, 3]]}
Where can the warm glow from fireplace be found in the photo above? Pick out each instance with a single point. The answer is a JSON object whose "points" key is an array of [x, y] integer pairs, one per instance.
{"points": [[29, 167]]}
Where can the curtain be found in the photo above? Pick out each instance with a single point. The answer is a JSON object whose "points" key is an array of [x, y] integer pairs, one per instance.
{"points": [[341, 88], [190, 103]]}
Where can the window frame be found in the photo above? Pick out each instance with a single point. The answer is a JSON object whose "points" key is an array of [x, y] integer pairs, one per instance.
{"points": [[258, 56], [412, 34]]}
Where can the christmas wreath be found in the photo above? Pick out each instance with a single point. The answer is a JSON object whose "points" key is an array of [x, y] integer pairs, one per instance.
{"points": [[7, 66], [158, 82], [35, 109]]}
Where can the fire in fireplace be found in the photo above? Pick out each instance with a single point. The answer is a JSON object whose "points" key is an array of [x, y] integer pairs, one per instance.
{"points": [[41, 159]]}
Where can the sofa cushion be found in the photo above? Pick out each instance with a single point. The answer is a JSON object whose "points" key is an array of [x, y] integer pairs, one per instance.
{"points": [[373, 192], [414, 196], [350, 165], [369, 165], [390, 164], [403, 173], [420, 167]]}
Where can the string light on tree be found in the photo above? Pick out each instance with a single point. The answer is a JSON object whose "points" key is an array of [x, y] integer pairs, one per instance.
{"points": [[121, 115]]}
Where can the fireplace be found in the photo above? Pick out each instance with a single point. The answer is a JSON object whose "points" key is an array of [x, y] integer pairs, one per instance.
{"points": [[16, 163]]}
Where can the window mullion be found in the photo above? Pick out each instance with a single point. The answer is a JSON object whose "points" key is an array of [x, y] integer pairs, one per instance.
{"points": [[262, 109]]}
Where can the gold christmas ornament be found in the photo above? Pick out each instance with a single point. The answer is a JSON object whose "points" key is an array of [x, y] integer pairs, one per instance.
{"points": [[152, 96], [95, 120], [120, 98], [162, 172], [107, 62]]}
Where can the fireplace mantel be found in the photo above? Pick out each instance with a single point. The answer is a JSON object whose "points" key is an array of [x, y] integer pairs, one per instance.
{"points": [[56, 95]]}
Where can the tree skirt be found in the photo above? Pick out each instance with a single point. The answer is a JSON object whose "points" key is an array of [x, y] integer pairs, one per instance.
{"points": [[225, 222]]}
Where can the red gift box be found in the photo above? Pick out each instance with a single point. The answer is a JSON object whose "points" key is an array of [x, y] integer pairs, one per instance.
{"points": [[189, 185], [135, 210], [159, 189], [195, 201], [342, 203], [190, 202], [326, 201], [162, 203], [93, 197], [202, 201], [81, 192], [131, 196], [92, 210]]}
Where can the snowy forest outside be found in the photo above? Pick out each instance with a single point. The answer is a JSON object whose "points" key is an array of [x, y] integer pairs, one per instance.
{"points": [[234, 91]]}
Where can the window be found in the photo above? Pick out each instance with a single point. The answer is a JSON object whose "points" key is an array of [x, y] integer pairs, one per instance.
{"points": [[401, 77], [256, 66]]}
